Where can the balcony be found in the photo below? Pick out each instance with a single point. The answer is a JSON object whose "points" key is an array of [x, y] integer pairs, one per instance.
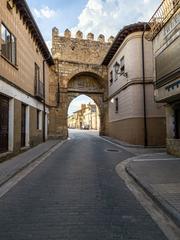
{"points": [[39, 90], [165, 11]]}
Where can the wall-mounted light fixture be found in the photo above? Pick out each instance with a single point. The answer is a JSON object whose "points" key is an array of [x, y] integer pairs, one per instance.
{"points": [[119, 71]]}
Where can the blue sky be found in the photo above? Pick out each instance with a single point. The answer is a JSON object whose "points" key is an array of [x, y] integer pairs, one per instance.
{"points": [[64, 14], [97, 16]]}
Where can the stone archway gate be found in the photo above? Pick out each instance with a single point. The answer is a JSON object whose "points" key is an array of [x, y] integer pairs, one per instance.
{"points": [[77, 71]]}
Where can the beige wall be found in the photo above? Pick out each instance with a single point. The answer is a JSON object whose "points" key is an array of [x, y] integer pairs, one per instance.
{"points": [[128, 123], [131, 104], [131, 49], [132, 131], [28, 53], [36, 136]]}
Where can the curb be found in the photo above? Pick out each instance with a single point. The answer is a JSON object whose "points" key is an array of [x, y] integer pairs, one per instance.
{"points": [[53, 147], [155, 196]]}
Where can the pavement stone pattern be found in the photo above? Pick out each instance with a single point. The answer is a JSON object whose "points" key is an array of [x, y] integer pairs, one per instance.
{"points": [[12, 166], [159, 174], [76, 194]]}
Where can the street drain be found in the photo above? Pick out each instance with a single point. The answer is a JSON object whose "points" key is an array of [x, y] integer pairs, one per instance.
{"points": [[111, 150]]}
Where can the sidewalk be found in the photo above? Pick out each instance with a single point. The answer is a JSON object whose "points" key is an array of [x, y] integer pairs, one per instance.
{"points": [[14, 165], [159, 175]]}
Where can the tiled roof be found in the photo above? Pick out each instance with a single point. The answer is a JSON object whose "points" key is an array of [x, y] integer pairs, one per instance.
{"points": [[123, 33]]}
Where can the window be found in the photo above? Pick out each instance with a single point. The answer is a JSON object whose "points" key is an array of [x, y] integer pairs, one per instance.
{"points": [[116, 75], [111, 78], [37, 73], [122, 65], [8, 45], [116, 105], [39, 87]]}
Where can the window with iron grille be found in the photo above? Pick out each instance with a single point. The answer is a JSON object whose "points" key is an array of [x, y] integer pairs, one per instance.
{"points": [[116, 105], [38, 84], [111, 78], [8, 44], [122, 65]]}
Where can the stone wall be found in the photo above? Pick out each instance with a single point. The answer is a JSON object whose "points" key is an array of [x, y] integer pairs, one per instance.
{"points": [[173, 147], [77, 71]]}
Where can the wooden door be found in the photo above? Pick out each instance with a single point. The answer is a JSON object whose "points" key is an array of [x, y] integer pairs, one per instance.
{"points": [[4, 122], [23, 125]]}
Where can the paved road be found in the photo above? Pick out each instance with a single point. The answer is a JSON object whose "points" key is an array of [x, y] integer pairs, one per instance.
{"points": [[76, 195]]}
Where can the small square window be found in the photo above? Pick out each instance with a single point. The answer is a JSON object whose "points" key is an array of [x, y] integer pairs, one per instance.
{"points": [[116, 105], [122, 65], [111, 78]]}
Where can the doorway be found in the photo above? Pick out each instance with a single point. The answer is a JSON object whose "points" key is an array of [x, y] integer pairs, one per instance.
{"points": [[4, 122], [177, 120], [23, 125]]}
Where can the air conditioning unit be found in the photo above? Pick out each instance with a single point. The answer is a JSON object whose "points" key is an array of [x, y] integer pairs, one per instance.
{"points": [[10, 4]]}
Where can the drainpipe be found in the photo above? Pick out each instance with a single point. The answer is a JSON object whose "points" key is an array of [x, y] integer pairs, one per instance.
{"points": [[44, 102], [144, 91], [44, 98]]}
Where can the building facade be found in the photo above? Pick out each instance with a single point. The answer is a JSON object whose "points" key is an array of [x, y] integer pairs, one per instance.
{"points": [[134, 117], [24, 71], [165, 34], [77, 71], [85, 118]]}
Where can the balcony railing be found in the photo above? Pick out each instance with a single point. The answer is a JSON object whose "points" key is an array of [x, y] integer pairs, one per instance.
{"points": [[165, 11], [39, 89]]}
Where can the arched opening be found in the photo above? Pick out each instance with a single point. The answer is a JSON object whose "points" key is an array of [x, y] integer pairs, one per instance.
{"points": [[83, 114], [91, 85]]}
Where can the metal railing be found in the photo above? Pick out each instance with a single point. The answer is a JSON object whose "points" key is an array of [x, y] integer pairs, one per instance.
{"points": [[39, 89], [165, 11]]}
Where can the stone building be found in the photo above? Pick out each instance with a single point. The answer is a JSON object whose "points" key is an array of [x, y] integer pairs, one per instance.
{"points": [[134, 117], [77, 71], [85, 118], [24, 71], [91, 117], [165, 34]]}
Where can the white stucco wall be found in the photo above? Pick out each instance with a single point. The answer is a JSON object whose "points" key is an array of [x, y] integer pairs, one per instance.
{"points": [[131, 49], [131, 96]]}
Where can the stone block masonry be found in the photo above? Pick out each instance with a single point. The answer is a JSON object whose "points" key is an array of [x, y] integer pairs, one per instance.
{"points": [[77, 71]]}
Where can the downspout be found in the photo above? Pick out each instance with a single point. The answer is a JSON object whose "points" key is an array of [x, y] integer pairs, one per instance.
{"points": [[44, 99], [144, 91], [44, 102]]}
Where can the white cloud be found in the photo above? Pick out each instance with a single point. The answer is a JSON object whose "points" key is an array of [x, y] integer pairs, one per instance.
{"points": [[44, 12], [109, 16]]}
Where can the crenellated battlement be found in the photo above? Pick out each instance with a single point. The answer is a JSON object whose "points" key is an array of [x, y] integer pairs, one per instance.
{"points": [[79, 35], [78, 49]]}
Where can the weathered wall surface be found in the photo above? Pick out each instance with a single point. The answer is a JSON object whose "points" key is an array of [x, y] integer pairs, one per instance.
{"points": [[28, 53], [77, 71]]}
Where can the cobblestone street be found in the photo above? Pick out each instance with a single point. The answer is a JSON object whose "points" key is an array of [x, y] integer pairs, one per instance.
{"points": [[76, 194]]}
